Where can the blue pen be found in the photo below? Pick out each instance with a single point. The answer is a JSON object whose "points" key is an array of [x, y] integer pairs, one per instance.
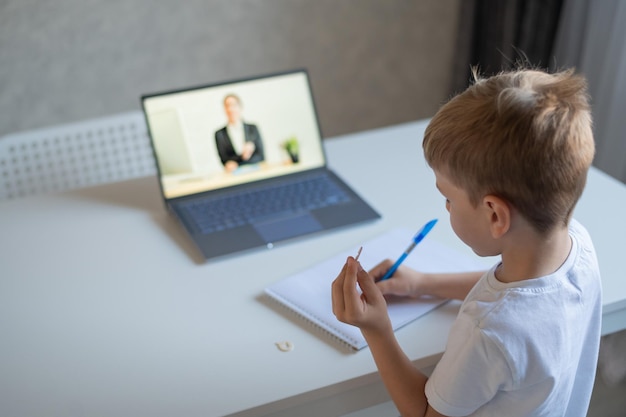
{"points": [[416, 239]]}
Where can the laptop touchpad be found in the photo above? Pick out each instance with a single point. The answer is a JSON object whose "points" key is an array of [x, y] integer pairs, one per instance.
{"points": [[287, 227]]}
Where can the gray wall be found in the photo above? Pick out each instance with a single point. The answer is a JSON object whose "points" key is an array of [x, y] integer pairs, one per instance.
{"points": [[372, 62], [591, 39]]}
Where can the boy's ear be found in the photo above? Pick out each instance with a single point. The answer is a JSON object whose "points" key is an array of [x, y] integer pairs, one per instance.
{"points": [[499, 214]]}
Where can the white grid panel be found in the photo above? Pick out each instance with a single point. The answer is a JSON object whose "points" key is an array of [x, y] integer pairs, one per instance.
{"points": [[82, 154]]}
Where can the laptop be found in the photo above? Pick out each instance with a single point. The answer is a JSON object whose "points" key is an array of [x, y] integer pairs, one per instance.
{"points": [[241, 164]]}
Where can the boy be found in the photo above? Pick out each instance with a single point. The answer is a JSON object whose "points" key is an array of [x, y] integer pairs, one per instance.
{"points": [[510, 156]]}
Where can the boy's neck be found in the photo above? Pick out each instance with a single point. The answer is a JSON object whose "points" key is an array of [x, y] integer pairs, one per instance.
{"points": [[529, 255]]}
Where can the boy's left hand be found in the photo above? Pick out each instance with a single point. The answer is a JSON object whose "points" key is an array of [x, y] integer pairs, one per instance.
{"points": [[367, 309]]}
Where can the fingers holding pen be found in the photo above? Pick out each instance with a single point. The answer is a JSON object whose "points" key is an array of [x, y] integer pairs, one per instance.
{"points": [[381, 269]]}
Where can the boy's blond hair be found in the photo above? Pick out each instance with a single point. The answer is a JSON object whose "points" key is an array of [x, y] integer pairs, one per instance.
{"points": [[525, 136]]}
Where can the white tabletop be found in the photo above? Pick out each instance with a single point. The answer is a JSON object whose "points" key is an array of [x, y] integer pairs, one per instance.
{"points": [[107, 309]]}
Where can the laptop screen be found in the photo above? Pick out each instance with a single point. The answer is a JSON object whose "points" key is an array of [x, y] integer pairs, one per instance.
{"points": [[221, 135]]}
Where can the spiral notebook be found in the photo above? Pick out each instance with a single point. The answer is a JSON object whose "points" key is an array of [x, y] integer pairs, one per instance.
{"points": [[308, 293]]}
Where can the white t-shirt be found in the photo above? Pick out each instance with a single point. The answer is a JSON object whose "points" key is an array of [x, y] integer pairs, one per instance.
{"points": [[527, 348]]}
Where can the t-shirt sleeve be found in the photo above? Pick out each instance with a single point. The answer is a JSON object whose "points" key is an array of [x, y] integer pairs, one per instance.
{"points": [[470, 372]]}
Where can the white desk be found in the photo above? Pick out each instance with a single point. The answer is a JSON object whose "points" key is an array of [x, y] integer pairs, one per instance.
{"points": [[105, 309]]}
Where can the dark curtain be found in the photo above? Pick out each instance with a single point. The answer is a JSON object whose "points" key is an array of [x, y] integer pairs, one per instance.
{"points": [[497, 35]]}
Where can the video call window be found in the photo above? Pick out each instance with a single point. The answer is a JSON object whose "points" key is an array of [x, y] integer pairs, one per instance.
{"points": [[223, 135]]}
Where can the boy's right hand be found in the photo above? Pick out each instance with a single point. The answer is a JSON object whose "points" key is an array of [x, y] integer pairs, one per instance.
{"points": [[405, 282]]}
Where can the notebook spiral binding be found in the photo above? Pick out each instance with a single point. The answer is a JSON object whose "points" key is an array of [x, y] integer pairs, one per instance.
{"points": [[322, 328]]}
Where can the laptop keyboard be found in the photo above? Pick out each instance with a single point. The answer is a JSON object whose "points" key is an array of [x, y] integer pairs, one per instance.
{"points": [[289, 197]]}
